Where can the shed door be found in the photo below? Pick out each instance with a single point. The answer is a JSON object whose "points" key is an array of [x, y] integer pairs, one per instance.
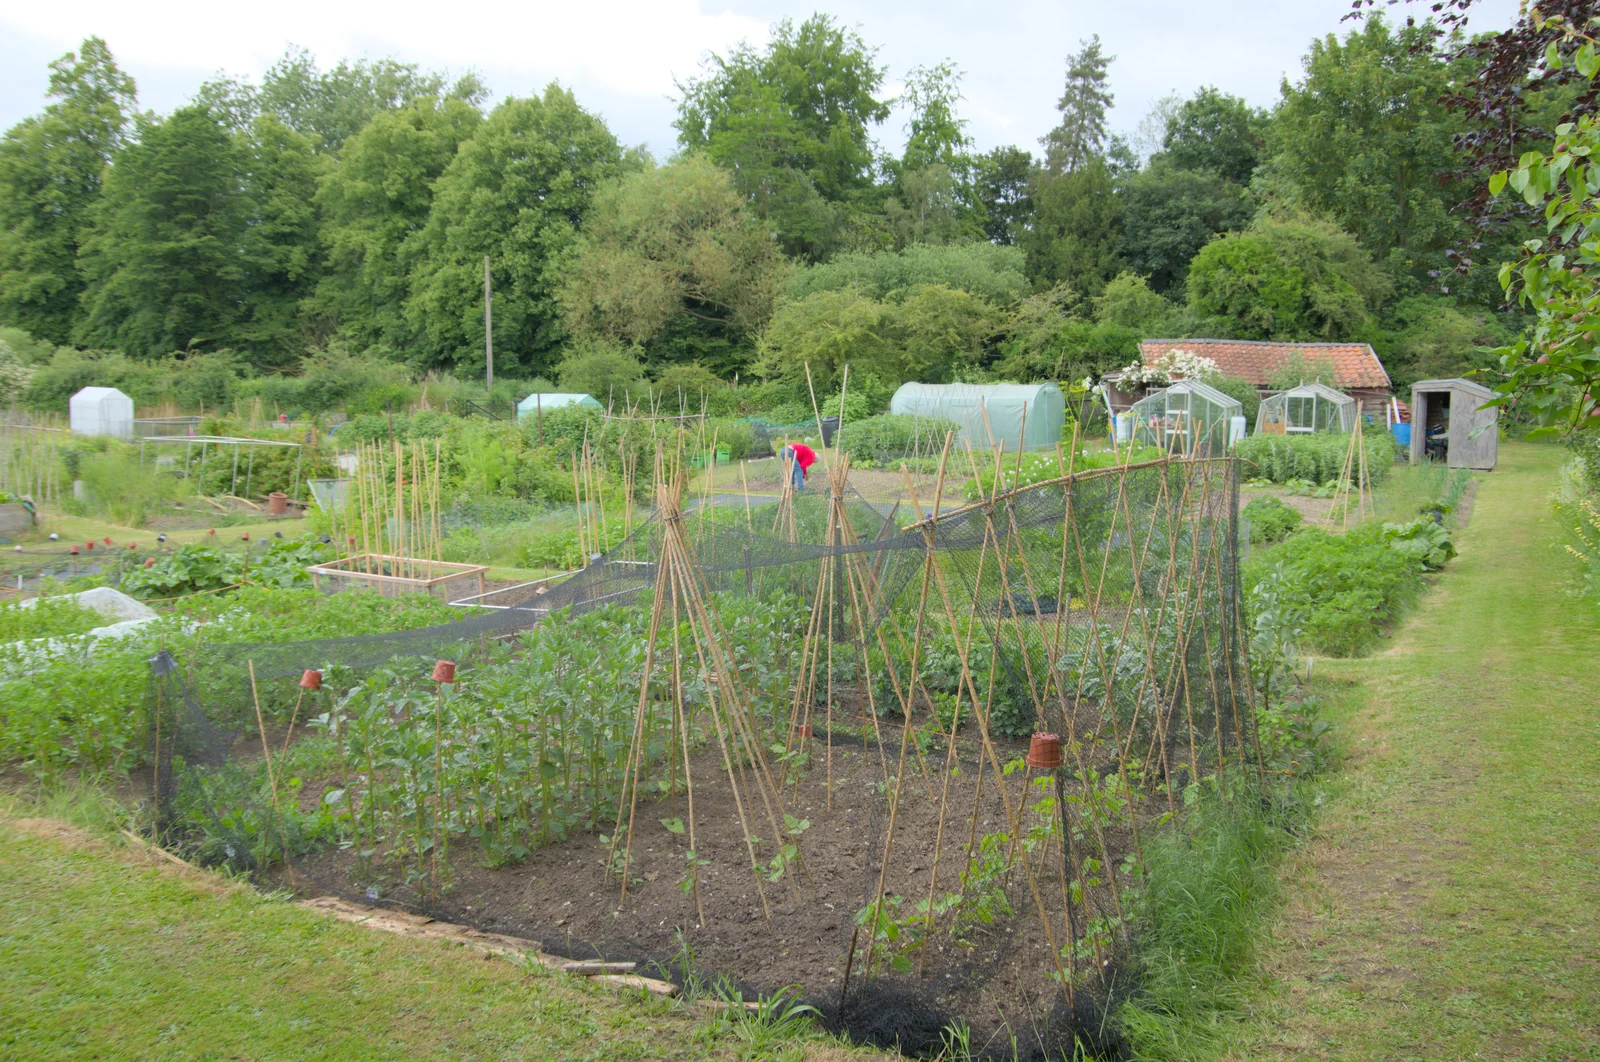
{"points": [[1474, 434]]}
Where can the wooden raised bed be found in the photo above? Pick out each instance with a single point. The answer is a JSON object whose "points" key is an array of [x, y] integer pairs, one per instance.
{"points": [[398, 575]]}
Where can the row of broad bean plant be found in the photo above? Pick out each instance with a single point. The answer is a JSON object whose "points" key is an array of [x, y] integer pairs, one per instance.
{"points": [[528, 744]]}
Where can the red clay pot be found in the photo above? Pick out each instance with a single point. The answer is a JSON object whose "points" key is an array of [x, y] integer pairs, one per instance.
{"points": [[89, 544], [133, 545], [1044, 752], [277, 503], [311, 680], [245, 537], [149, 562], [802, 730], [108, 540], [73, 551], [444, 671]]}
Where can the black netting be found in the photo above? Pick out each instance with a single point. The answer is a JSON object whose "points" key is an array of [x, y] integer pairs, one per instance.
{"points": [[799, 735]]}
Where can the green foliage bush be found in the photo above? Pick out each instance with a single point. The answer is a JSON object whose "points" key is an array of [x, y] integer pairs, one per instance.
{"points": [[884, 438], [195, 568], [1317, 457], [1347, 587], [1270, 519], [86, 711], [989, 270], [47, 617]]}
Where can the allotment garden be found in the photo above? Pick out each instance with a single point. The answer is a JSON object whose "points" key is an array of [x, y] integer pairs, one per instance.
{"points": [[934, 745]]}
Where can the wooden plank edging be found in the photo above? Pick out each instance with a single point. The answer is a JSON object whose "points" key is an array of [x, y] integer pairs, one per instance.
{"points": [[403, 923]]}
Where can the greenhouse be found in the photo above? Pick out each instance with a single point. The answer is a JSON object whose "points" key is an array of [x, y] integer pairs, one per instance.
{"points": [[101, 411], [1015, 416], [1189, 417], [1311, 407], [535, 406]]}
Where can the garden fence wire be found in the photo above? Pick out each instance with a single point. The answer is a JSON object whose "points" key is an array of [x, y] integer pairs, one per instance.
{"points": [[908, 769]]}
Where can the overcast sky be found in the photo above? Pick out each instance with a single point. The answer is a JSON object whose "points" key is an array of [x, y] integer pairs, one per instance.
{"points": [[621, 58]]}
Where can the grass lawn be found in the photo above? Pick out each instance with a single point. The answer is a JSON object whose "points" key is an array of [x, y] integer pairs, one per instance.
{"points": [[104, 956], [1448, 904]]}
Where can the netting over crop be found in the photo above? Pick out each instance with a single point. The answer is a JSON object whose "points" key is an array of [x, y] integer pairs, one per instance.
{"points": [[904, 767]]}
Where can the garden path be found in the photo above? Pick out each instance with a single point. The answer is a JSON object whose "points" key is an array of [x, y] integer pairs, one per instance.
{"points": [[1446, 904]]}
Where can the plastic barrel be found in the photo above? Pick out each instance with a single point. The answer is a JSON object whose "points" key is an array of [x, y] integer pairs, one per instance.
{"points": [[1402, 433]]}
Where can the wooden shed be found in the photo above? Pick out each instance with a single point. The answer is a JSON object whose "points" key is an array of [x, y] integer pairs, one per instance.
{"points": [[1448, 414]]}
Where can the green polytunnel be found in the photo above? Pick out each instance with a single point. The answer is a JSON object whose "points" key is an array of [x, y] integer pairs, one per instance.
{"points": [[1303, 410], [530, 408], [1190, 418], [1017, 416]]}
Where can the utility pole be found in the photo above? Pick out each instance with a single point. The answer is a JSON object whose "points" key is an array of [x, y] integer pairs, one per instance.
{"points": [[488, 327]]}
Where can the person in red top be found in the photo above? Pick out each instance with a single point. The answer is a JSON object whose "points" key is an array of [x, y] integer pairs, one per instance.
{"points": [[804, 457]]}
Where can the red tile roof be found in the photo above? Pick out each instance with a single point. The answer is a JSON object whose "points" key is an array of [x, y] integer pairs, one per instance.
{"points": [[1355, 365]]}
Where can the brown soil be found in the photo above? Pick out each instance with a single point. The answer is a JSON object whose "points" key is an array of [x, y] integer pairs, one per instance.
{"points": [[563, 897]]}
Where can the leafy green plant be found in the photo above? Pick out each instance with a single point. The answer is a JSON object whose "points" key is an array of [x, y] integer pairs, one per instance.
{"points": [[1315, 458], [1425, 541], [1345, 588], [1270, 519], [46, 617]]}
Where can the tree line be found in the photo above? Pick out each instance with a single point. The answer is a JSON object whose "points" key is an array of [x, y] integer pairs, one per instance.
{"points": [[348, 213]]}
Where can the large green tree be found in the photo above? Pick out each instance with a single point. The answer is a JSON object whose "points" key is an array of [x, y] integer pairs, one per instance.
{"points": [[793, 124], [1216, 132], [1289, 278], [283, 253], [674, 245], [163, 263], [1168, 214], [993, 272], [1366, 139], [517, 192], [1003, 180], [1080, 139], [51, 168], [332, 105], [929, 332], [1076, 226], [374, 199]]}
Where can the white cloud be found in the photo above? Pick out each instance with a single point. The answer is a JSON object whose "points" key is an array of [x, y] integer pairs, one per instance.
{"points": [[630, 48]]}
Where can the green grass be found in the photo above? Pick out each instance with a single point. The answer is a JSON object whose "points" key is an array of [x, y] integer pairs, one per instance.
{"points": [[103, 956], [1209, 884], [1446, 905]]}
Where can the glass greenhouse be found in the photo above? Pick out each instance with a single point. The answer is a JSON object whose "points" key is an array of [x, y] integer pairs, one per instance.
{"points": [[1189, 417], [1311, 407]]}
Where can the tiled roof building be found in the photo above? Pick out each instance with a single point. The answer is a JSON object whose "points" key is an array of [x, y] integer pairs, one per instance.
{"points": [[1356, 366]]}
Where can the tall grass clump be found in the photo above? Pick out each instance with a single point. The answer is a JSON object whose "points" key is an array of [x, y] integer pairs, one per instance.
{"points": [[1209, 884]]}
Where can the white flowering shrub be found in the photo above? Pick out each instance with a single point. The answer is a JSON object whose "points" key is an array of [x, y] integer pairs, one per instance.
{"points": [[1175, 364]]}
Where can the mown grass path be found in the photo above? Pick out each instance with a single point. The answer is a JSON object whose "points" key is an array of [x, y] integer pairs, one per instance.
{"points": [[104, 958], [1448, 905]]}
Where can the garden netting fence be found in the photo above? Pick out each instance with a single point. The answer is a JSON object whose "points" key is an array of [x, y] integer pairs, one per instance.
{"points": [[907, 765]]}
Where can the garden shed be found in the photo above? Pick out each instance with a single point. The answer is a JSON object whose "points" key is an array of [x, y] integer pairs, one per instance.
{"points": [[1019, 416], [1311, 407], [101, 411], [1189, 417], [1448, 422], [532, 406]]}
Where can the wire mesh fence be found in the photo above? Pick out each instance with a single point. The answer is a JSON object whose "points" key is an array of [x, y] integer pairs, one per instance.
{"points": [[906, 768]]}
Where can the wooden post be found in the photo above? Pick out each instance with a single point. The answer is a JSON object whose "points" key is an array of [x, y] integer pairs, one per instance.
{"points": [[488, 328]]}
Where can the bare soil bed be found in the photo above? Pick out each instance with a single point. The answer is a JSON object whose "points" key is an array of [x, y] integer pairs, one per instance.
{"points": [[563, 896]]}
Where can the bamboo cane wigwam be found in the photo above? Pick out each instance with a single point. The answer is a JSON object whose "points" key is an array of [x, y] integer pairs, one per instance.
{"points": [[841, 799]]}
